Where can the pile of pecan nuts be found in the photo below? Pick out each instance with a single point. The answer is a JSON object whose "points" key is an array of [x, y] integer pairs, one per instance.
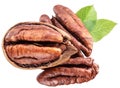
{"points": [[60, 45]]}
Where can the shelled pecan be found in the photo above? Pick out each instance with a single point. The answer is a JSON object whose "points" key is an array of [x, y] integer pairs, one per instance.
{"points": [[45, 18], [76, 70], [75, 26]]}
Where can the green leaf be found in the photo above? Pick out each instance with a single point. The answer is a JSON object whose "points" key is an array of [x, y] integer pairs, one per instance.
{"points": [[88, 16], [97, 28], [101, 29]]}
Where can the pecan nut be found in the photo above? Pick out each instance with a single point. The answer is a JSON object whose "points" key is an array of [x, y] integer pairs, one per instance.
{"points": [[57, 45], [76, 70], [45, 18], [32, 45], [75, 26]]}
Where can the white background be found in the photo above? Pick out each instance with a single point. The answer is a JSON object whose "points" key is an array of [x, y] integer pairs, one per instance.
{"points": [[105, 52]]}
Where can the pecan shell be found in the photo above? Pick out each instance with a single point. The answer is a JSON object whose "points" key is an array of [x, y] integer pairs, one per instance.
{"points": [[33, 45]]}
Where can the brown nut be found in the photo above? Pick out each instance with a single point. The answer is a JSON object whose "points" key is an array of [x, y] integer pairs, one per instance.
{"points": [[73, 40], [75, 26], [33, 45], [76, 70], [45, 18]]}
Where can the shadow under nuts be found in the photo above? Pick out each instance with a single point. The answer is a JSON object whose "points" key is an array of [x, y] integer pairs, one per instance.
{"points": [[60, 45]]}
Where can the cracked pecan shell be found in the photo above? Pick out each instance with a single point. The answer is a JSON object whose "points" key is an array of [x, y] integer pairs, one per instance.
{"points": [[32, 45]]}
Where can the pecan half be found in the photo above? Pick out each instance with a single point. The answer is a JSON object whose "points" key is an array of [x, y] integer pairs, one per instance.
{"points": [[75, 26], [77, 70], [32, 45], [45, 18]]}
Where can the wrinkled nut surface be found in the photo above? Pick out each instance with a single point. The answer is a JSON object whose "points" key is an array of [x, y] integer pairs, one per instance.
{"points": [[32, 45], [74, 26], [73, 40], [45, 18], [76, 70], [57, 45]]}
